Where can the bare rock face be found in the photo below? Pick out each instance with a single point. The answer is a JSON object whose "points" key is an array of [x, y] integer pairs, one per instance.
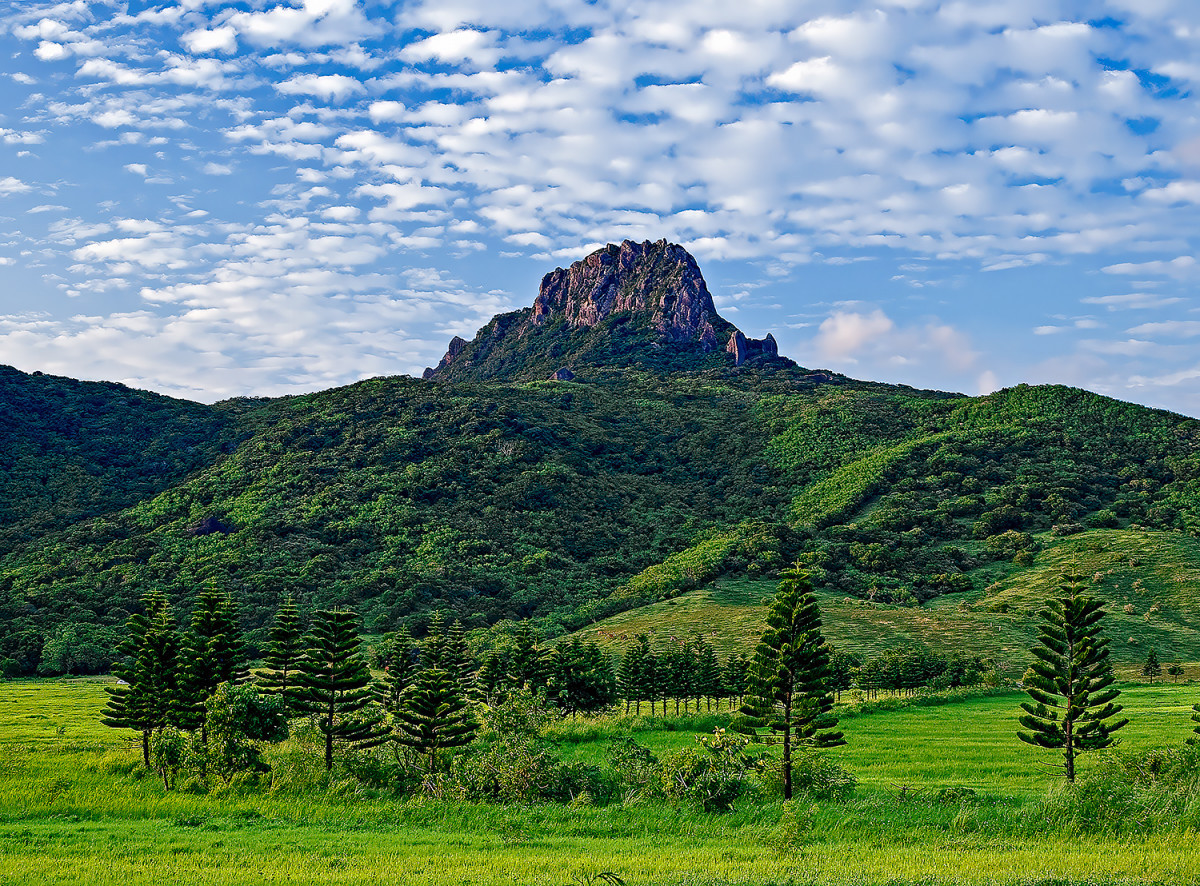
{"points": [[563, 374], [744, 349], [210, 525], [659, 282], [456, 346], [627, 304]]}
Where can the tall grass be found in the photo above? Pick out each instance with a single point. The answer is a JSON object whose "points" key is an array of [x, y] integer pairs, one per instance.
{"points": [[947, 795]]}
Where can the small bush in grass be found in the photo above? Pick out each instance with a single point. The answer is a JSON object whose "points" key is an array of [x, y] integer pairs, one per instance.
{"points": [[1158, 790], [636, 767], [795, 824], [814, 775], [712, 775]]}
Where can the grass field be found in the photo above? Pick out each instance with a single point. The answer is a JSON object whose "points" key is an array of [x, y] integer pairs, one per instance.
{"points": [[67, 817], [1151, 580]]}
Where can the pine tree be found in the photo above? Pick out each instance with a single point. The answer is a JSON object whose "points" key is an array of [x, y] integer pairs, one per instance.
{"points": [[1070, 680], [1152, 668], [492, 681], [789, 681], [631, 675], [212, 654], [581, 678], [736, 676], [285, 648], [528, 663], [150, 674], [445, 647], [334, 684], [434, 716], [401, 664], [708, 674]]}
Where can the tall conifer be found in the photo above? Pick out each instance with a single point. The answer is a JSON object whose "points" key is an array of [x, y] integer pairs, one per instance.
{"points": [[213, 654], [284, 650], [789, 680], [1071, 679], [334, 684], [401, 664], [434, 716], [146, 698]]}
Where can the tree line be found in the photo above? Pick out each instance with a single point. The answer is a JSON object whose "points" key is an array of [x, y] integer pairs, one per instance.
{"points": [[190, 697]]}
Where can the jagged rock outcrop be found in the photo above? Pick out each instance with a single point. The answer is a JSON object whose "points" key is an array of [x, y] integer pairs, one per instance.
{"points": [[456, 346], [660, 282], [210, 525], [633, 304], [744, 349]]}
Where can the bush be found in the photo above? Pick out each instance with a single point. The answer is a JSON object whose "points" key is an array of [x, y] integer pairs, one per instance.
{"points": [[1158, 790], [712, 775], [814, 775]]}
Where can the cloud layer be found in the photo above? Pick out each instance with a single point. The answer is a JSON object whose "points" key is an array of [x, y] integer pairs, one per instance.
{"points": [[212, 198]]}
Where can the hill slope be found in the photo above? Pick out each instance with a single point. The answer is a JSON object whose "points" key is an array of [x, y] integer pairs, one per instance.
{"points": [[492, 493]]}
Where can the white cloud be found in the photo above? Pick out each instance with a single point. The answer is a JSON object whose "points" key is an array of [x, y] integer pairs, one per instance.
{"points": [[10, 185], [845, 333], [331, 87], [216, 40]]}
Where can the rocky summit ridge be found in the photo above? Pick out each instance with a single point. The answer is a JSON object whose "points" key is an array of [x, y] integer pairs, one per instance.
{"points": [[623, 305]]}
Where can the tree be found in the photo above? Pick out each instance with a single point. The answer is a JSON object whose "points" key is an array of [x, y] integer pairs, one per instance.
{"points": [[1195, 739], [285, 649], [492, 681], [737, 675], [334, 684], [445, 647], [401, 664], [842, 668], [633, 673], [434, 716], [240, 718], [1152, 668], [708, 683], [212, 654], [581, 678], [1070, 680], [789, 682], [528, 663], [145, 696], [1175, 670]]}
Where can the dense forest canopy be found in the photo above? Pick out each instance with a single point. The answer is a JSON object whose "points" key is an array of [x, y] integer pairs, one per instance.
{"points": [[490, 492]]}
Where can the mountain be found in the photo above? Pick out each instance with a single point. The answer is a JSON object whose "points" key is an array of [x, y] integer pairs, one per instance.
{"points": [[636, 304], [667, 469]]}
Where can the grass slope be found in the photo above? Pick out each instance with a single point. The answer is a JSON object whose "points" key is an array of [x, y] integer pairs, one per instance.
{"points": [[1150, 579]]}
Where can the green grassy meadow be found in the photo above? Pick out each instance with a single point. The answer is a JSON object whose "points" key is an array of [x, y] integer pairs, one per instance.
{"points": [[73, 809], [1148, 578]]}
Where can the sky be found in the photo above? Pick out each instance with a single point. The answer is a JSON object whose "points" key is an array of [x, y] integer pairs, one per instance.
{"points": [[214, 199]]}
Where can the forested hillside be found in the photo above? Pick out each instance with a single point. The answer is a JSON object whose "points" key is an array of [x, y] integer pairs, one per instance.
{"points": [[490, 496]]}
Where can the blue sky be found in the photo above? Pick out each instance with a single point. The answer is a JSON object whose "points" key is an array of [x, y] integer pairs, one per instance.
{"points": [[212, 199]]}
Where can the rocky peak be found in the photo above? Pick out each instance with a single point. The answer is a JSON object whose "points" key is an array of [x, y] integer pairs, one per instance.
{"points": [[629, 304], [659, 282]]}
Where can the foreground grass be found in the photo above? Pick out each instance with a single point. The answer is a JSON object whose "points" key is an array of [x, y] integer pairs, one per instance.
{"points": [[65, 818]]}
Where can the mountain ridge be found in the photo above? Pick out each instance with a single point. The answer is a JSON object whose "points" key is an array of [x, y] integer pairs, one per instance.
{"points": [[622, 305], [493, 493]]}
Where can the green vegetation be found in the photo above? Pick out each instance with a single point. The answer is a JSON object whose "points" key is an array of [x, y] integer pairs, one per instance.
{"points": [[934, 805], [1071, 679], [566, 502], [1149, 577], [789, 687]]}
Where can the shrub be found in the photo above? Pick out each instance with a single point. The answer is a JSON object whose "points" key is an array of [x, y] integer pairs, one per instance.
{"points": [[816, 776], [1158, 790], [712, 775]]}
